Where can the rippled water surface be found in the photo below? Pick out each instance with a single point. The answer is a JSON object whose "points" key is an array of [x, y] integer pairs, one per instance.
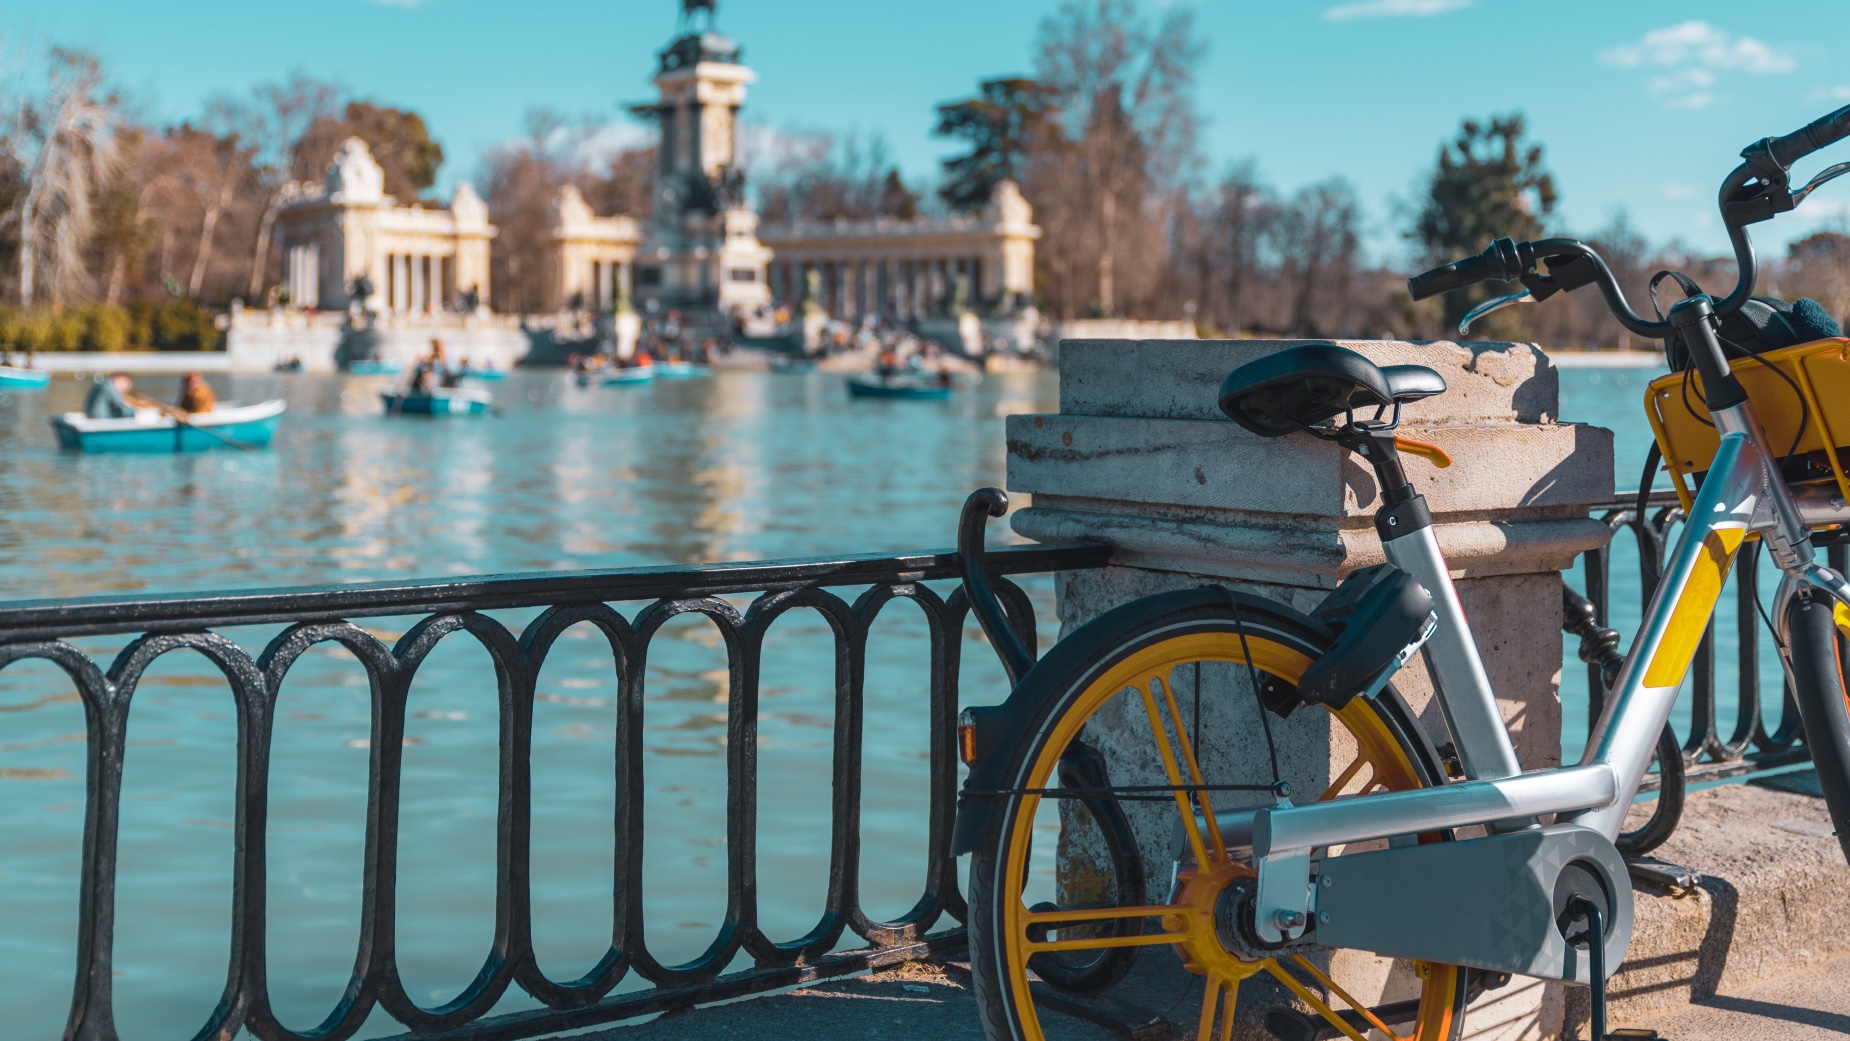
{"points": [[739, 466]]}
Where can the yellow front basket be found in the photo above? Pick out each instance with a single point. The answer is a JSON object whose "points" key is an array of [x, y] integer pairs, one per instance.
{"points": [[1819, 371]]}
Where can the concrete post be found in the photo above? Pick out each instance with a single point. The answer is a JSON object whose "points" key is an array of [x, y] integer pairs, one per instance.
{"points": [[1140, 456]]}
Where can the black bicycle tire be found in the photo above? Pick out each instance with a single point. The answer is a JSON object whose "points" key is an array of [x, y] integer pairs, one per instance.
{"points": [[1667, 813], [1819, 689], [991, 992]]}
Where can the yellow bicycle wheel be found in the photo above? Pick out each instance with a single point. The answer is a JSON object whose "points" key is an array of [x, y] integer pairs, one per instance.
{"points": [[1159, 696]]}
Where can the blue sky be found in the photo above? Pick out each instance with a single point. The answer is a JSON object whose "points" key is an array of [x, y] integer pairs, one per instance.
{"points": [[1639, 105]]}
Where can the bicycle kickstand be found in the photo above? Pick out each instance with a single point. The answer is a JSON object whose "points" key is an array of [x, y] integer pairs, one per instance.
{"points": [[1584, 910]]}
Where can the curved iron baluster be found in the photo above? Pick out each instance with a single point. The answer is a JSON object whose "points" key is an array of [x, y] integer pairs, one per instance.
{"points": [[362, 991], [913, 924], [536, 642], [514, 688], [844, 846], [741, 760], [92, 1016]]}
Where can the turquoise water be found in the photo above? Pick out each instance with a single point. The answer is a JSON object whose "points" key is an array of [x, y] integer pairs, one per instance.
{"points": [[740, 466], [1614, 398]]}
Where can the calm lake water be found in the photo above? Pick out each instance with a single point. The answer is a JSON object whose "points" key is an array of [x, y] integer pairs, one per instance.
{"points": [[740, 466]]}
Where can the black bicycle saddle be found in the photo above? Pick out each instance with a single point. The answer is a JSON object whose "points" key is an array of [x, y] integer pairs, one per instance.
{"points": [[1279, 393]]}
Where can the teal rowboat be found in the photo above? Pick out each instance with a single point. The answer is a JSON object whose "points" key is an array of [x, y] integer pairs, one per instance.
{"points": [[680, 370], [150, 430], [373, 368], [11, 377], [458, 401], [483, 374], [911, 388], [622, 377]]}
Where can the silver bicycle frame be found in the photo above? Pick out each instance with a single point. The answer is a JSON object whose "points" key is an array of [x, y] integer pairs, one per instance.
{"points": [[1741, 494]]}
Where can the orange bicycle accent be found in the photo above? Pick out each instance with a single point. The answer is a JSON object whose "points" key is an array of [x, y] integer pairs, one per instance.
{"points": [[1430, 452]]}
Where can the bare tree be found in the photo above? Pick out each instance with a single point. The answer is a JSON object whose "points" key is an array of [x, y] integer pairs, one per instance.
{"points": [[1319, 246], [68, 144], [272, 126], [1123, 98], [1242, 219]]}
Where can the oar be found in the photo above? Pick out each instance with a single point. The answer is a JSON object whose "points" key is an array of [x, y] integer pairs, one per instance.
{"points": [[178, 417]]}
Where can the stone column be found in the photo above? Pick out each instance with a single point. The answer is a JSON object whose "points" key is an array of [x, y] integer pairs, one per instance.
{"points": [[1141, 457]]}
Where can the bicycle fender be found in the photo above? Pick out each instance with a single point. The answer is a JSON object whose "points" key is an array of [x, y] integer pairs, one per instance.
{"points": [[1001, 729]]}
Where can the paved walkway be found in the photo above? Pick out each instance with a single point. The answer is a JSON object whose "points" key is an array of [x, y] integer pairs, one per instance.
{"points": [[1806, 1006]]}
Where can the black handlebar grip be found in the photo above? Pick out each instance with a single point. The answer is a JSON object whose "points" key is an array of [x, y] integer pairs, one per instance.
{"points": [[1456, 275], [1811, 137]]}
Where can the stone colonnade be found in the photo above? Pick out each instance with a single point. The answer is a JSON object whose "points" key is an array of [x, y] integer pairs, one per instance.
{"points": [[417, 283], [905, 289]]}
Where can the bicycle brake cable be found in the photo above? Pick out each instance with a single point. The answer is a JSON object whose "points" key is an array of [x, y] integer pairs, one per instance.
{"points": [[1279, 787]]}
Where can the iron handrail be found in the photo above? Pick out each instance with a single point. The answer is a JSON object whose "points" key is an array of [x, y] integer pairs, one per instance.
{"points": [[41, 629]]}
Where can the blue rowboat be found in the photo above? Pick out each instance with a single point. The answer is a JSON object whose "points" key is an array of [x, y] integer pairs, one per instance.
{"points": [[911, 388], [150, 430], [11, 377], [459, 401], [680, 370], [483, 374], [624, 377], [374, 368]]}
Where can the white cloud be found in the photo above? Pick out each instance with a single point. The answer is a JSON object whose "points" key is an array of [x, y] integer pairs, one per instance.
{"points": [[1679, 191], [1841, 92], [1698, 43], [1392, 9], [1693, 53]]}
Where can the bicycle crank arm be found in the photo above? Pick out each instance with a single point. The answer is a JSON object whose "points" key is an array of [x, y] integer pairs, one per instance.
{"points": [[1492, 903]]}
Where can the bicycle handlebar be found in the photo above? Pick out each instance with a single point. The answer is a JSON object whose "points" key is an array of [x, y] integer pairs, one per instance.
{"points": [[1756, 190], [1808, 139]]}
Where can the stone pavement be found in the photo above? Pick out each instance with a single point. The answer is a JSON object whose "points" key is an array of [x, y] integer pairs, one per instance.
{"points": [[1806, 1006], [1761, 947]]}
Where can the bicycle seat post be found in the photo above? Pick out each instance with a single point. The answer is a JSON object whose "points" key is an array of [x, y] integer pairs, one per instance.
{"points": [[1376, 445]]}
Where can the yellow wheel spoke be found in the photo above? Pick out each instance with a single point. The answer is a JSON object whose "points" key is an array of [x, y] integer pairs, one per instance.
{"points": [[1221, 994], [1360, 1009], [1194, 769], [1304, 993], [1343, 779], [1079, 916], [1196, 844], [1099, 943], [1099, 914]]}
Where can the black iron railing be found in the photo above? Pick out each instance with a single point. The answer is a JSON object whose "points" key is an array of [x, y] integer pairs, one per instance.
{"points": [[1704, 754], [41, 629]]}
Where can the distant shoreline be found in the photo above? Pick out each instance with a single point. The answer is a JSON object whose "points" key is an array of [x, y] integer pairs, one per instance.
{"points": [[1606, 359]]}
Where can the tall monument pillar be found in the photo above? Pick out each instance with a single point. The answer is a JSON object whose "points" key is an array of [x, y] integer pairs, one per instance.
{"points": [[701, 248]]}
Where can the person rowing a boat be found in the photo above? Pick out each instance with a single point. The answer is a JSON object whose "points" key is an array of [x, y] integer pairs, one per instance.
{"points": [[114, 397], [196, 395]]}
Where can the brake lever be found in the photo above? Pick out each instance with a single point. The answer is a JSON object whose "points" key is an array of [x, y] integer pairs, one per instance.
{"points": [[1497, 304], [1829, 173]]}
